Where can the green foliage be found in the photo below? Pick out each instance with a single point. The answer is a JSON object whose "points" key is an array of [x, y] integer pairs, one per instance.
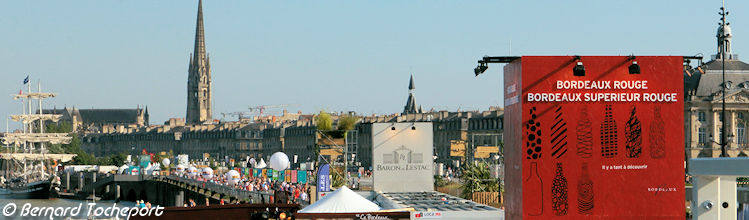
{"points": [[62, 127], [347, 123], [477, 178], [440, 181], [118, 159], [324, 122], [337, 179]]}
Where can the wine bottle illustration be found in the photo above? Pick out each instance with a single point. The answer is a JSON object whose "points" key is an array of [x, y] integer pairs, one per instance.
{"points": [[585, 194], [657, 134], [584, 133], [533, 133], [534, 207], [558, 136], [559, 193], [609, 141], [633, 134]]}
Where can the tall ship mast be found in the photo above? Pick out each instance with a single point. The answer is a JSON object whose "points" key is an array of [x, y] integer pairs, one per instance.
{"points": [[25, 174]]}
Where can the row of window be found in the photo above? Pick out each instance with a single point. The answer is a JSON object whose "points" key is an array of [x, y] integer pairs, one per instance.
{"points": [[702, 116], [703, 136]]}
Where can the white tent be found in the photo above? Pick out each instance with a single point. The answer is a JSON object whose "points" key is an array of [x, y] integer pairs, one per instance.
{"points": [[261, 164], [342, 200]]}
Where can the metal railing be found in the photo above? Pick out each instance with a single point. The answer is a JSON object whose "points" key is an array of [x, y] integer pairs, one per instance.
{"points": [[252, 196]]}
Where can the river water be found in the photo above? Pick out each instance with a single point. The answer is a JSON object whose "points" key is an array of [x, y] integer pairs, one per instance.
{"points": [[15, 208]]}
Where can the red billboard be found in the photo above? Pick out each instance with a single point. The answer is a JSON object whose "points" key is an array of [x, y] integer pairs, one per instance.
{"points": [[596, 143]]}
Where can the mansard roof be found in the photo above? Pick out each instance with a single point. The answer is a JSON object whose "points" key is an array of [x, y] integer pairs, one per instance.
{"points": [[716, 66], [710, 84], [129, 116]]}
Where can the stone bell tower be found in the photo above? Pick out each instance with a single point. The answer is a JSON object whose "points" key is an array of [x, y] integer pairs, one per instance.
{"points": [[199, 78]]}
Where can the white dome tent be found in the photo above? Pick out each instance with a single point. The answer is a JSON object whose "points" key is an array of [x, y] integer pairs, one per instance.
{"points": [[342, 200], [261, 164]]}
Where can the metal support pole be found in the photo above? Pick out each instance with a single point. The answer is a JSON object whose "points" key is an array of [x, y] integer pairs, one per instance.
{"points": [[723, 135]]}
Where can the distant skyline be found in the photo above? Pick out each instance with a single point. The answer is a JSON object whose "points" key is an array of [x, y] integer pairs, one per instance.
{"points": [[333, 55]]}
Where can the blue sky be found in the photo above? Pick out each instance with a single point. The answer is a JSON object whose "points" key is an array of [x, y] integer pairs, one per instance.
{"points": [[333, 55]]}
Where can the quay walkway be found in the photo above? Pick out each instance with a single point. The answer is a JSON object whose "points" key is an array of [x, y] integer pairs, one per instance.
{"points": [[164, 190]]}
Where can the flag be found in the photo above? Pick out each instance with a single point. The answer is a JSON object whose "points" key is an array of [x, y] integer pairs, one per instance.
{"points": [[26, 80], [20, 91], [323, 178]]}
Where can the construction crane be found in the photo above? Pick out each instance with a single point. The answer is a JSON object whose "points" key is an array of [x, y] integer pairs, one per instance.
{"points": [[240, 115], [261, 108]]}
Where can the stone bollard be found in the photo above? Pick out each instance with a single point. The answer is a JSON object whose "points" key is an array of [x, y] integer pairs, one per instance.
{"points": [[81, 181], [117, 192], [67, 182], [179, 199]]}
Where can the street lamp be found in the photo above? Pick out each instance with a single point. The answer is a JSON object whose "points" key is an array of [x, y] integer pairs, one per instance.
{"points": [[722, 54], [482, 67], [729, 139]]}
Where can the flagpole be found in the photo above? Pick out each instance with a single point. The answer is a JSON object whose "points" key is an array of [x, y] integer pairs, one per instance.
{"points": [[31, 129]]}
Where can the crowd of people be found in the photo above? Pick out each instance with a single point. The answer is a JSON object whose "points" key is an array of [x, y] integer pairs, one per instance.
{"points": [[141, 204], [283, 192]]}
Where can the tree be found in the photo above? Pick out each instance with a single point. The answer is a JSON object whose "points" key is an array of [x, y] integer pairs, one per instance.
{"points": [[324, 122], [347, 123], [477, 178], [118, 159]]}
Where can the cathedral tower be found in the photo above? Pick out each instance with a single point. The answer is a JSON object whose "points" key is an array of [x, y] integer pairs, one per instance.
{"points": [[199, 78]]}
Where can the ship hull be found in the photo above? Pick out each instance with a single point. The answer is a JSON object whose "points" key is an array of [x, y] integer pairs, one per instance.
{"points": [[36, 190]]}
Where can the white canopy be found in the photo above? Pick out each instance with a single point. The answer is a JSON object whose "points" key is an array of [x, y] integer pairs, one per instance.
{"points": [[342, 200], [261, 164]]}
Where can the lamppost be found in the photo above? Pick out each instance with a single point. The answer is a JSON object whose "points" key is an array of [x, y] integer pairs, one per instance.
{"points": [[722, 54], [729, 138], [499, 180]]}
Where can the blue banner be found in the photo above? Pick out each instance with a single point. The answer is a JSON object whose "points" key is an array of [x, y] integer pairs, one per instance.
{"points": [[323, 178]]}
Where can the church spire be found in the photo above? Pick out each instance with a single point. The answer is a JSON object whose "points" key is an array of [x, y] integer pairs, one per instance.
{"points": [[199, 52], [199, 77], [411, 107]]}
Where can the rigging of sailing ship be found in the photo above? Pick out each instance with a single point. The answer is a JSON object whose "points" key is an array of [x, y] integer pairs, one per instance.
{"points": [[25, 174]]}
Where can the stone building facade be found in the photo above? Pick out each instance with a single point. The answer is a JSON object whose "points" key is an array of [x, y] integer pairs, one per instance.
{"points": [[234, 140], [703, 103]]}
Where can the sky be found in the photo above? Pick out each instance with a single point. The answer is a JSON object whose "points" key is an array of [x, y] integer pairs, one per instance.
{"points": [[325, 55]]}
